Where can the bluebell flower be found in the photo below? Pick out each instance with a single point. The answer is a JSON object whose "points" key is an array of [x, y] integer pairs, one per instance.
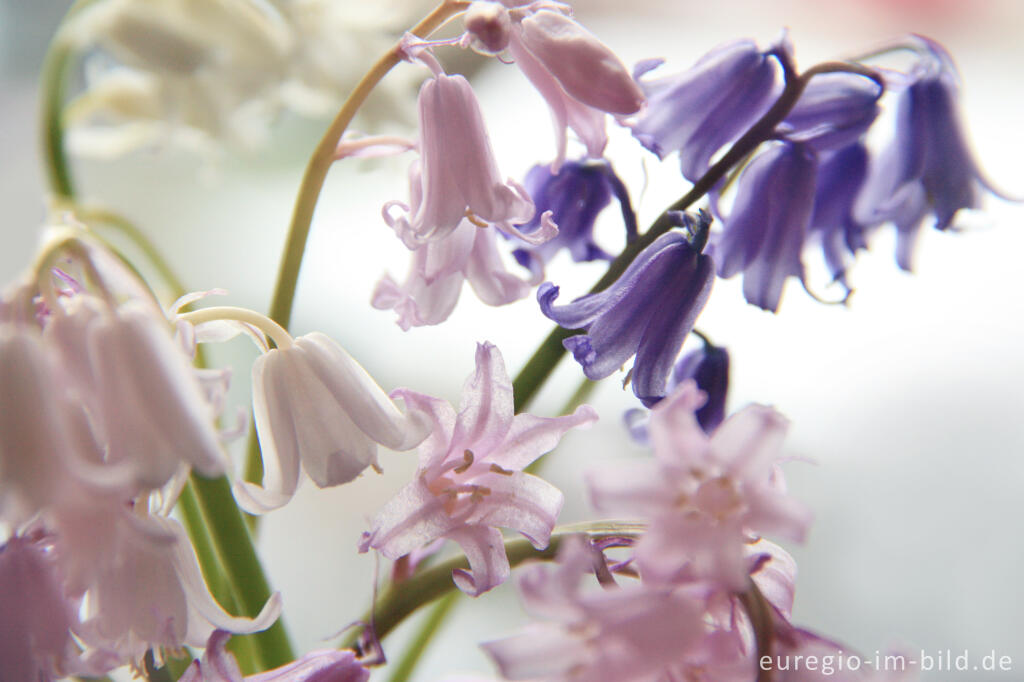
{"points": [[574, 196], [647, 312], [764, 234], [928, 167], [835, 110], [709, 368], [710, 105], [834, 222]]}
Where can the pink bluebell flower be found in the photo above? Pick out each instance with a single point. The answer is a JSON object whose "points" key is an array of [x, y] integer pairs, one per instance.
{"points": [[647, 312], [470, 479], [458, 175], [575, 195], [699, 111]]}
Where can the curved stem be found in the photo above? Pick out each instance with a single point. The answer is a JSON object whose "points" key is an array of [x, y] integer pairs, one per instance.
{"points": [[540, 365], [759, 611], [313, 181], [414, 651], [322, 158], [277, 333], [405, 598]]}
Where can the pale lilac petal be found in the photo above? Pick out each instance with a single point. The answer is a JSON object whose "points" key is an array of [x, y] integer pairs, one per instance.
{"points": [[587, 70], [485, 550], [493, 284], [639, 487], [412, 518], [674, 430], [486, 410], [776, 577], [539, 651], [323, 665], [217, 665], [749, 442], [520, 502], [531, 436], [440, 417]]}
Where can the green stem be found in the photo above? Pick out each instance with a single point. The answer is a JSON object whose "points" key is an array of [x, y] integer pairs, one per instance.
{"points": [[313, 181], [54, 78], [540, 365], [244, 571], [405, 598], [759, 611], [430, 627]]}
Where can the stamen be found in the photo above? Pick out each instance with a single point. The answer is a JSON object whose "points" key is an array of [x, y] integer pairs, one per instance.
{"points": [[467, 461], [471, 217], [496, 468]]}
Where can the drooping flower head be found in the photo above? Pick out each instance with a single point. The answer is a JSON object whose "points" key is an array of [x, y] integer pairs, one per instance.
{"points": [[457, 175], [700, 110], [833, 111], [647, 312], [579, 76], [575, 195], [928, 167], [763, 236], [317, 410], [470, 479]]}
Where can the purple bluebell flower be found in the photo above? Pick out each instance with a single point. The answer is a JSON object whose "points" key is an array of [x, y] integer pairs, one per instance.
{"points": [[709, 367], [700, 110], [834, 111], [841, 177], [764, 234], [928, 166], [574, 196], [647, 312]]}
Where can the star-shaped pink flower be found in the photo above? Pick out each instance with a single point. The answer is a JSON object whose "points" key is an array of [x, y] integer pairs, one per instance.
{"points": [[470, 480]]}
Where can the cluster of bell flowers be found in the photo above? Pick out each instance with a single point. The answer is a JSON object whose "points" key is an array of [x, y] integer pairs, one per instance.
{"points": [[103, 417]]}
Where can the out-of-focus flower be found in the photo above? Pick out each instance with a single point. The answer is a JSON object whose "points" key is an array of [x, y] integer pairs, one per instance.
{"points": [[458, 175], [708, 367], [317, 410], [218, 665], [629, 634], [648, 311], [927, 167], [705, 498], [36, 619], [575, 195], [579, 76], [700, 110], [470, 479], [763, 236]]}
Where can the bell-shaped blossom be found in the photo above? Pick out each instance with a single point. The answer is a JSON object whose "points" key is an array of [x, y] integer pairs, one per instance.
{"points": [[928, 167], [834, 219], [631, 633], [36, 618], [470, 479], [700, 110], [317, 410], [438, 271], [708, 367], [704, 497], [575, 196], [763, 236], [327, 665], [440, 266], [579, 76], [141, 582], [834, 110], [458, 174], [647, 312]]}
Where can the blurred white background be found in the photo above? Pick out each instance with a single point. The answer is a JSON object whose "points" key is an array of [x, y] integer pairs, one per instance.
{"points": [[909, 402]]}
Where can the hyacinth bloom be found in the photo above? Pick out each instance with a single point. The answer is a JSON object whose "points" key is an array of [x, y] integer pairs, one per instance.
{"points": [[36, 618], [928, 166], [441, 266], [698, 111], [458, 173], [834, 111], [470, 479], [218, 665], [630, 633], [764, 234], [647, 312], [704, 497], [708, 367], [317, 410], [579, 76], [834, 221], [575, 195]]}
